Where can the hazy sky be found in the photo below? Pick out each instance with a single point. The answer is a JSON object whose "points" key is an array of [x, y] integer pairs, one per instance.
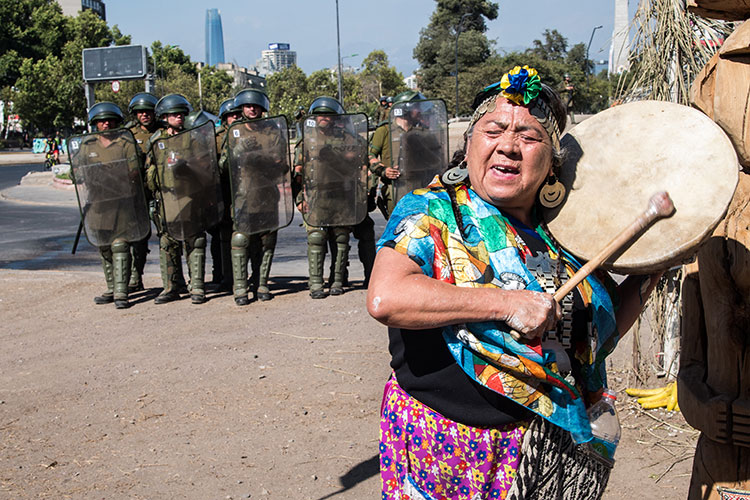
{"points": [[365, 25]]}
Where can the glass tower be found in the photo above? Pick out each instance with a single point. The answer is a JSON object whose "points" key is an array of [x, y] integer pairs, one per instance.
{"points": [[214, 38]]}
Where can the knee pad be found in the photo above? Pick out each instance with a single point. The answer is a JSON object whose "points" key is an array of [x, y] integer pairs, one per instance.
{"points": [[268, 240], [341, 235], [200, 242], [316, 237], [120, 246], [240, 240]]}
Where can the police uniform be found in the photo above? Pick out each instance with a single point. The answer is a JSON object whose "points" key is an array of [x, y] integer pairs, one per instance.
{"points": [[317, 237], [380, 159], [261, 140], [158, 179], [139, 249], [106, 218]]}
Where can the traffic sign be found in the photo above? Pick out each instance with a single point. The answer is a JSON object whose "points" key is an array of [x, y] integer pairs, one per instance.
{"points": [[115, 86], [124, 62]]}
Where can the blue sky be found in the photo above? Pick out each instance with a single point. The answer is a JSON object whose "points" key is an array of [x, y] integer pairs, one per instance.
{"points": [[310, 26]]}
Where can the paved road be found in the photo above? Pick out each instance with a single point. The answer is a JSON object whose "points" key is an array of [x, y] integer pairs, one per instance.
{"points": [[38, 224]]}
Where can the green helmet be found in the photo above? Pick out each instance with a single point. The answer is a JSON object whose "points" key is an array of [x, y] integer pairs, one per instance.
{"points": [[172, 103], [142, 101], [105, 110], [198, 118], [407, 96], [326, 106], [252, 96], [227, 107]]}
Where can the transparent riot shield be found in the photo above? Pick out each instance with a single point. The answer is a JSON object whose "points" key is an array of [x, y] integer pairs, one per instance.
{"points": [[335, 170], [260, 174], [188, 176], [106, 171], [419, 143]]}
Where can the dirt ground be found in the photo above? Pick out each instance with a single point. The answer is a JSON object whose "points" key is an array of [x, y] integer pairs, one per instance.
{"points": [[275, 400]]}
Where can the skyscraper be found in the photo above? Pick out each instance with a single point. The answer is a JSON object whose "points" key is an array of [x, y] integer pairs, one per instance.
{"points": [[214, 38]]}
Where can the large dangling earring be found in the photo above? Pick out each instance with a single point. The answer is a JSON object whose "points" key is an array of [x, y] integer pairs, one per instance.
{"points": [[456, 175], [552, 193]]}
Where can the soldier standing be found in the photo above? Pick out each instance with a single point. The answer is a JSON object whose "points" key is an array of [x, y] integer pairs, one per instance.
{"points": [[263, 142], [183, 175], [107, 172], [141, 108], [334, 179], [221, 234], [381, 156]]}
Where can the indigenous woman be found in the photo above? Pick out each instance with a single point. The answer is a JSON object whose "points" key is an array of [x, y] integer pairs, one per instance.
{"points": [[474, 410]]}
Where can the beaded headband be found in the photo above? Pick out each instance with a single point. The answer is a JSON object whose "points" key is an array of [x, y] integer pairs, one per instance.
{"points": [[521, 86]]}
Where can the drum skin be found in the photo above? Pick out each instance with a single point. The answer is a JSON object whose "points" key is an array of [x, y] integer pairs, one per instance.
{"points": [[617, 159]]}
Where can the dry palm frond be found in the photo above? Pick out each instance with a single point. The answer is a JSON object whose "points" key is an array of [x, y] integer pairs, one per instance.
{"points": [[670, 47]]}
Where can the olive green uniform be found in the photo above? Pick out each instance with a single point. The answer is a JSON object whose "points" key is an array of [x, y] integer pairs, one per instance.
{"points": [[170, 250], [380, 158], [105, 217], [257, 248], [336, 236], [221, 234], [139, 249]]}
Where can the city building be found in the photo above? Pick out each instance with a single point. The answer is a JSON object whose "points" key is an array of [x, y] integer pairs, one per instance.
{"points": [[243, 78], [214, 38], [411, 82], [73, 7], [277, 57]]}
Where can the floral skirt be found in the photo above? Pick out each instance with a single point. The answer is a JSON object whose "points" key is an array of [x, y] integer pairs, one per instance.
{"points": [[424, 455]]}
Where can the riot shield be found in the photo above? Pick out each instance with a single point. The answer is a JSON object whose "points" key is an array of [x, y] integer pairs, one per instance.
{"points": [[106, 171], [419, 142], [188, 175], [260, 175], [335, 170]]}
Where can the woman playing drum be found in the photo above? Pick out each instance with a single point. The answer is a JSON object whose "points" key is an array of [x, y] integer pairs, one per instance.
{"points": [[461, 264]]}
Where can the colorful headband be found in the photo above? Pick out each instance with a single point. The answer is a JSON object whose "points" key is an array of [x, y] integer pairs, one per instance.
{"points": [[521, 86]]}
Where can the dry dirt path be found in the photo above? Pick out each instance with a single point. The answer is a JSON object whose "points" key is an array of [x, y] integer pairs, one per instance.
{"points": [[275, 400]]}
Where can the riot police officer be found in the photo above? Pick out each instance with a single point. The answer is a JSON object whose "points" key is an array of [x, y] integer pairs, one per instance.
{"points": [[259, 247], [330, 164], [141, 108], [166, 169], [143, 126], [113, 206], [221, 234], [381, 156]]}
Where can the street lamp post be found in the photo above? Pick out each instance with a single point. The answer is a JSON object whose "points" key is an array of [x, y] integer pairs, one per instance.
{"points": [[338, 46], [587, 51], [458, 32]]}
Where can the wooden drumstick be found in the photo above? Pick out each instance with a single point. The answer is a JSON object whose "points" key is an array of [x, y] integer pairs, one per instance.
{"points": [[659, 206]]}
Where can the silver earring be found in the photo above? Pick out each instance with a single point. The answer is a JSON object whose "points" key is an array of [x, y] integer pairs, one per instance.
{"points": [[456, 175], [552, 193]]}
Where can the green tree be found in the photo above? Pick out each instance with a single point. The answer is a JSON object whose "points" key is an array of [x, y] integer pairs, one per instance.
{"points": [[29, 29], [287, 90], [436, 49], [554, 47], [54, 82], [379, 78], [216, 85], [39, 98]]}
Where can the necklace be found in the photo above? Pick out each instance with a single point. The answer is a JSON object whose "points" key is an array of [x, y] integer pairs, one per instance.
{"points": [[549, 271]]}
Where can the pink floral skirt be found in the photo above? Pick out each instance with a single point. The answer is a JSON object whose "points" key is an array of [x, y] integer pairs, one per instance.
{"points": [[424, 455]]}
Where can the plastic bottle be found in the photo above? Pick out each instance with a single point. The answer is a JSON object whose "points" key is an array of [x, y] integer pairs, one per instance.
{"points": [[605, 425]]}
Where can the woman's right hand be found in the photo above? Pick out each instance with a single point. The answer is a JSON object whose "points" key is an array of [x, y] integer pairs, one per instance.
{"points": [[532, 313]]}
